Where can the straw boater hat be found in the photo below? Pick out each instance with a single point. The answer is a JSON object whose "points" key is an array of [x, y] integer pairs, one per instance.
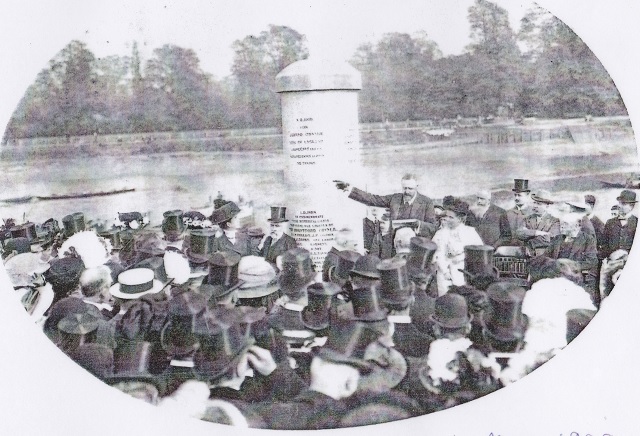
{"points": [[135, 283]]}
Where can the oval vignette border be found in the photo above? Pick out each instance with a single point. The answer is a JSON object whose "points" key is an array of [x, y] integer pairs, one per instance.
{"points": [[586, 389]]}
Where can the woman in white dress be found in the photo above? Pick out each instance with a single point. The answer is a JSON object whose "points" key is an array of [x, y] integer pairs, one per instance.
{"points": [[451, 239]]}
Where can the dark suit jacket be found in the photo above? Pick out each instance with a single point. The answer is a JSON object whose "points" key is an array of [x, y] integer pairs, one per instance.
{"points": [[493, 227], [241, 245], [421, 209], [369, 230], [331, 260], [617, 237], [598, 227], [547, 223], [582, 249], [271, 249], [383, 247]]}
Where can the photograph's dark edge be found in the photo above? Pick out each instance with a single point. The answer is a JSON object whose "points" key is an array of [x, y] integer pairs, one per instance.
{"points": [[589, 388]]}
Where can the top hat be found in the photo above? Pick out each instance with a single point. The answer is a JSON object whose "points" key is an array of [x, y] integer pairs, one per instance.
{"points": [[365, 266], [590, 199], [297, 270], [315, 315], [520, 185], [451, 311], [346, 262], [73, 223], [134, 283], [201, 245], [278, 214], [26, 230], [226, 336], [421, 255], [395, 286], [257, 276], [503, 319], [542, 196], [223, 270], [95, 358], [132, 361], [366, 304], [172, 225], [627, 196], [577, 320], [346, 344], [186, 310], [478, 260], [225, 213]]}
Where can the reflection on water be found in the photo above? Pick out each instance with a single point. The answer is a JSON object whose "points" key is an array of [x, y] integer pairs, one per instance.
{"points": [[187, 180]]}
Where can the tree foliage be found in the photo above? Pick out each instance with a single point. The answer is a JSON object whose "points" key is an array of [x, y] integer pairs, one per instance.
{"points": [[405, 77]]}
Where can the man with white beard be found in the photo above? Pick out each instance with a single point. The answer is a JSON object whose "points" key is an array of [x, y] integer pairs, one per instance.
{"points": [[489, 220]]}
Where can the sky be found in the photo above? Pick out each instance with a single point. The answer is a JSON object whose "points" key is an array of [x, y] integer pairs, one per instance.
{"points": [[333, 28]]}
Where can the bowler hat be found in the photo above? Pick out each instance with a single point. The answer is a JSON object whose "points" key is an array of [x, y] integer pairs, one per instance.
{"points": [[201, 245], [132, 361], [172, 225], [577, 320], [315, 315], [297, 270], [521, 185], [186, 310], [395, 286], [225, 213], [451, 311], [226, 338], [134, 283], [73, 223], [365, 266], [627, 196], [422, 251], [64, 275], [278, 214], [223, 270], [542, 196], [366, 304], [478, 260], [346, 344], [95, 358], [503, 319], [590, 199]]}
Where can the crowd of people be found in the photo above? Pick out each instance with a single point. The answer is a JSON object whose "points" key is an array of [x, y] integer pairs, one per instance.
{"points": [[214, 318]]}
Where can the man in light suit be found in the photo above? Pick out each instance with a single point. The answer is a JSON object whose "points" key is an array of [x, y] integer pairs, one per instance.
{"points": [[409, 204]]}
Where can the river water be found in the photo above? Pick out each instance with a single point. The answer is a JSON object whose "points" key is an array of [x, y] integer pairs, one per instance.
{"points": [[187, 180]]}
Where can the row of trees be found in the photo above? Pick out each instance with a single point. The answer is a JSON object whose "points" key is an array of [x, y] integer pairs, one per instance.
{"points": [[405, 77]]}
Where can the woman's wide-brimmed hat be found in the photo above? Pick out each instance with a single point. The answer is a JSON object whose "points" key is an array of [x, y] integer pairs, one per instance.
{"points": [[225, 213], [134, 283]]}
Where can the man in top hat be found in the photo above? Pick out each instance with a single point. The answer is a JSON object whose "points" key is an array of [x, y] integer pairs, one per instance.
{"points": [[422, 273], [522, 199], [277, 242], [539, 226], [409, 204], [397, 295], [335, 372], [345, 240], [489, 220], [382, 244], [451, 240], [619, 232]]}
